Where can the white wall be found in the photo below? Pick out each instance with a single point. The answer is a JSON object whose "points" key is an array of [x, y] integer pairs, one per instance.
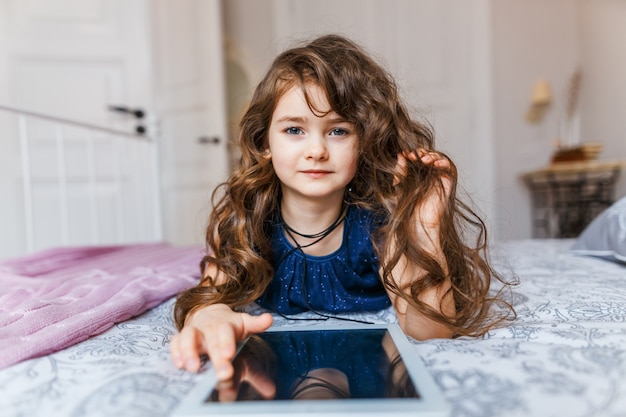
{"points": [[603, 37], [533, 39], [526, 40], [427, 72], [549, 39]]}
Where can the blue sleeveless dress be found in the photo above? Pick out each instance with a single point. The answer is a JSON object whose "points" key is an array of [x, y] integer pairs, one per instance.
{"points": [[344, 281]]}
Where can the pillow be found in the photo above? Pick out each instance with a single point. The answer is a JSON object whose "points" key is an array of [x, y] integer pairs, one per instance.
{"points": [[605, 236]]}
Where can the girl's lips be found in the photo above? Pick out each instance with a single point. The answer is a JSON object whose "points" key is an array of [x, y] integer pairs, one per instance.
{"points": [[316, 173]]}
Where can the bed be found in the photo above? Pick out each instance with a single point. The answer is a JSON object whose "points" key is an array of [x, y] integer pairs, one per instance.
{"points": [[564, 354]]}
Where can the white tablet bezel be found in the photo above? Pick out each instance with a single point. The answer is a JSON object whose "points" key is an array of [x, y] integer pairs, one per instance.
{"points": [[430, 402]]}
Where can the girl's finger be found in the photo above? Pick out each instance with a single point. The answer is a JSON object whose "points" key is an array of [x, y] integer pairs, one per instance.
{"points": [[175, 352], [433, 158], [428, 157], [189, 348], [221, 350], [256, 324], [412, 155]]}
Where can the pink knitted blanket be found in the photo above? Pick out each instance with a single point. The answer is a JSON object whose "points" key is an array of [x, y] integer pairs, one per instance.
{"points": [[58, 297]]}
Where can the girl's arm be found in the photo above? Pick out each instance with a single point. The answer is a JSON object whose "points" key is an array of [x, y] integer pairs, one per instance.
{"points": [[413, 322], [426, 229]]}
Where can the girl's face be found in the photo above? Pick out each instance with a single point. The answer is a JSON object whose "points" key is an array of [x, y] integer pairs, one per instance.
{"points": [[313, 156]]}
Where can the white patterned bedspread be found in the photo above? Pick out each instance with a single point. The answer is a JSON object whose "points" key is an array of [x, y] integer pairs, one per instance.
{"points": [[565, 355]]}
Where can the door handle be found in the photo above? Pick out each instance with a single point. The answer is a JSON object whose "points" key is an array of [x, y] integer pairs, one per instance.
{"points": [[208, 140], [138, 113]]}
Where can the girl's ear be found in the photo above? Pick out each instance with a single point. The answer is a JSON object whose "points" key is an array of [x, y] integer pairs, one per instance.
{"points": [[267, 154]]}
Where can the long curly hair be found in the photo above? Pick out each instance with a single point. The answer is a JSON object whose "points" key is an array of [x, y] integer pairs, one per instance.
{"points": [[361, 91]]}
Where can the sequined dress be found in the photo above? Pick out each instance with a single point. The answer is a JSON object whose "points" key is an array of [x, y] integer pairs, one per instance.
{"points": [[346, 280]]}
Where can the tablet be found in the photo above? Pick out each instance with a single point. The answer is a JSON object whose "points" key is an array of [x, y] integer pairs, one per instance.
{"points": [[340, 369]]}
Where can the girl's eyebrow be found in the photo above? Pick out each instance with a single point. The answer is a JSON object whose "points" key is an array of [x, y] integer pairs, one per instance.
{"points": [[294, 119], [300, 119], [338, 119]]}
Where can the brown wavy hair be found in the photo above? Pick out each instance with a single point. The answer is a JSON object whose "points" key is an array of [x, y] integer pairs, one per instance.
{"points": [[362, 92]]}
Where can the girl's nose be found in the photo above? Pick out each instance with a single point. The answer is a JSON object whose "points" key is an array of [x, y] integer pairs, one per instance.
{"points": [[317, 148]]}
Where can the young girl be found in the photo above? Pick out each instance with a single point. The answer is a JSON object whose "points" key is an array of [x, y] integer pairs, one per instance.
{"points": [[339, 204]]}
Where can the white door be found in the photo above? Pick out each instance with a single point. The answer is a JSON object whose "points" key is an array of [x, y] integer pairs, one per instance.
{"points": [[190, 97], [75, 58]]}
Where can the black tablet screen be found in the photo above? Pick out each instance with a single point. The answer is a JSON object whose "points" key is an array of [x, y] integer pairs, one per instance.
{"points": [[318, 364]]}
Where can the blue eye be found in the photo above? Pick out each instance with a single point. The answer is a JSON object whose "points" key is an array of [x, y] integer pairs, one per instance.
{"points": [[293, 131], [338, 132]]}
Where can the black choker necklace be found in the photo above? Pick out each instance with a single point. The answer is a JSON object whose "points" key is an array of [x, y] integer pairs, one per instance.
{"points": [[318, 236]]}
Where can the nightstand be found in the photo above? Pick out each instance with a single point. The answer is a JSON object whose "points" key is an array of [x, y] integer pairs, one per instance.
{"points": [[566, 196]]}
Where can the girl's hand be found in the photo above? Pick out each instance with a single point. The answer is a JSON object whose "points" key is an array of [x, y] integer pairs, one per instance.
{"points": [[429, 158], [214, 330], [429, 212]]}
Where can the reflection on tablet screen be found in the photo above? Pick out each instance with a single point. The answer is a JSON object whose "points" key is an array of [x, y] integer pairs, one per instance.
{"points": [[317, 365]]}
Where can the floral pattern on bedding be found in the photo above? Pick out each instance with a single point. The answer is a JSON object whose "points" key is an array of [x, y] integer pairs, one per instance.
{"points": [[564, 355]]}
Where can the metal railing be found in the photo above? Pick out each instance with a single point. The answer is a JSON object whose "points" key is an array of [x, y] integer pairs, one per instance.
{"points": [[142, 173]]}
